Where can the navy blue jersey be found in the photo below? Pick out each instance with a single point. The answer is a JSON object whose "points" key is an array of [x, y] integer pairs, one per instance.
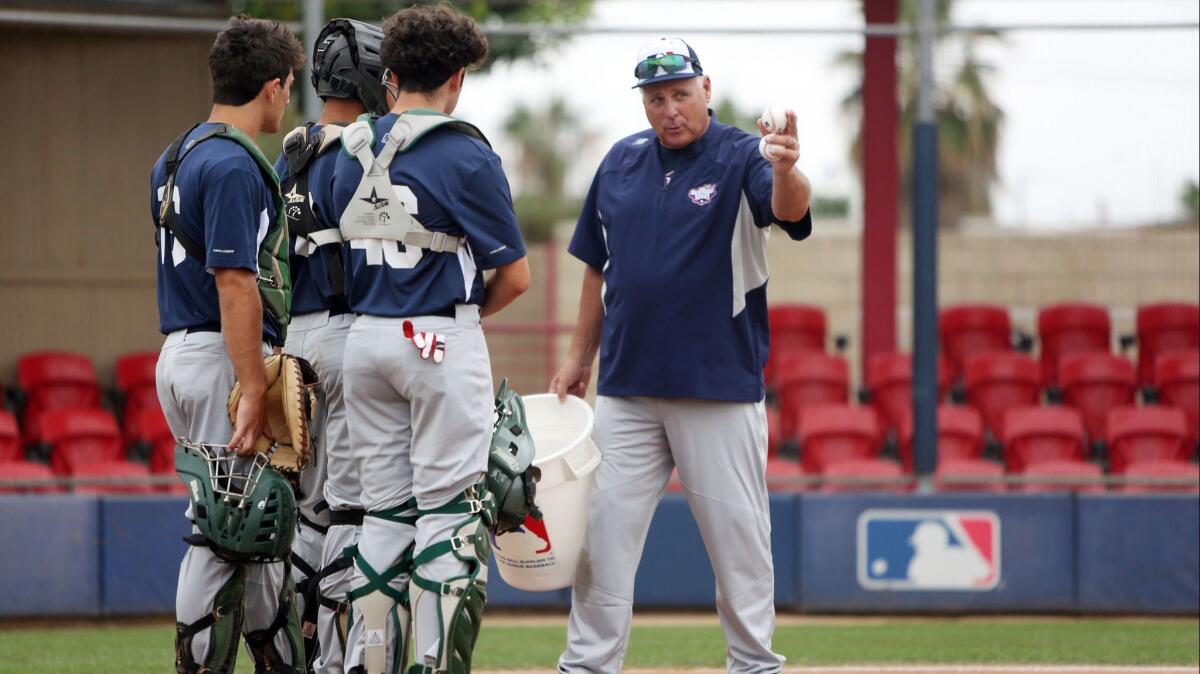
{"points": [[451, 183], [680, 237], [309, 265], [222, 200]]}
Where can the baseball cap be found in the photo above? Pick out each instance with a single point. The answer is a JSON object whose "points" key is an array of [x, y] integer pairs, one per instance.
{"points": [[665, 59]]}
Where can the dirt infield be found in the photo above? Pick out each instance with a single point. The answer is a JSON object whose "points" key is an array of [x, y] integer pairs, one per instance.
{"points": [[927, 669], [931, 669]]}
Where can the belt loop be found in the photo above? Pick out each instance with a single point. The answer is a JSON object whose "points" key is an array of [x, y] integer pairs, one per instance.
{"points": [[466, 315]]}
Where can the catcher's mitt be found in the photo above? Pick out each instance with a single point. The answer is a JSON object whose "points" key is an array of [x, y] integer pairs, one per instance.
{"points": [[290, 402]]}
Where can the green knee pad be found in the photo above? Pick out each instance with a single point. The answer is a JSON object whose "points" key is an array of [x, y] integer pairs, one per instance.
{"points": [[224, 623], [460, 600], [377, 602]]}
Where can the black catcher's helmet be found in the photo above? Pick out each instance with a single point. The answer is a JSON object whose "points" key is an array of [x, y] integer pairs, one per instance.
{"points": [[346, 64]]}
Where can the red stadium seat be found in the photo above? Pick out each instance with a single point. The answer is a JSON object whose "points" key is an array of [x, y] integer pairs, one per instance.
{"points": [[135, 382], [79, 437], [775, 436], [1077, 476], [1145, 434], [25, 470], [889, 381], [153, 430], [810, 378], [1187, 473], [1070, 328], [52, 380], [999, 381], [10, 438], [784, 475], [794, 327], [829, 434], [984, 475], [968, 329], [960, 435], [1177, 378], [1034, 435], [1095, 383], [114, 469], [864, 475], [1165, 327]]}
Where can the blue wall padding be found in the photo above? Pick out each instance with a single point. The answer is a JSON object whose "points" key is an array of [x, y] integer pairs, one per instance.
{"points": [[142, 545], [49, 556], [1139, 554], [674, 569], [1036, 554]]}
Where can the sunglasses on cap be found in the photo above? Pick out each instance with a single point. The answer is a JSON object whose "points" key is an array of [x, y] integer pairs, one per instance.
{"points": [[670, 63]]}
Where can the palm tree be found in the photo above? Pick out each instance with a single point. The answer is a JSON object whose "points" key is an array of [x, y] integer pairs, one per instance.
{"points": [[543, 138], [969, 123]]}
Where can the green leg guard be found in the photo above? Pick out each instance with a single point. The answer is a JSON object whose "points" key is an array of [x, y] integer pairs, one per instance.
{"points": [[224, 623], [377, 603], [460, 599], [261, 643]]}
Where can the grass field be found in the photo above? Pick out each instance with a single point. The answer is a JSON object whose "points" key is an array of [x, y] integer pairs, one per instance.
{"points": [[667, 644]]}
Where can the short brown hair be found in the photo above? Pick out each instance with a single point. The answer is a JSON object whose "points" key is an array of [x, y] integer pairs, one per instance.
{"points": [[247, 54], [425, 45]]}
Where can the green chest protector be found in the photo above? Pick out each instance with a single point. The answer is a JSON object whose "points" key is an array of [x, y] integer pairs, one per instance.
{"points": [[274, 280], [375, 212]]}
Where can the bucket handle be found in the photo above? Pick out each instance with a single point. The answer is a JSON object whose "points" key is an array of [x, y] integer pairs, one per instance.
{"points": [[588, 466]]}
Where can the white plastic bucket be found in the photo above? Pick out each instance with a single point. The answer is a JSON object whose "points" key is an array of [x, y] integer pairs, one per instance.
{"points": [[542, 555]]}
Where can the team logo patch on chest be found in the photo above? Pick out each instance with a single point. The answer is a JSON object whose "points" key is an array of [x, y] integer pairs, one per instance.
{"points": [[703, 195]]}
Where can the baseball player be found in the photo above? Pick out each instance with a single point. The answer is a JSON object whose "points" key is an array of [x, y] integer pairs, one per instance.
{"points": [[215, 200], [347, 75], [426, 209], [673, 234]]}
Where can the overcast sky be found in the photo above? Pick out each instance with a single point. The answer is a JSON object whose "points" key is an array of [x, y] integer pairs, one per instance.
{"points": [[1101, 127]]}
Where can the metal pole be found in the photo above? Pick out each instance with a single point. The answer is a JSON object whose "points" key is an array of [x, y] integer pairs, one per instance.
{"points": [[925, 228], [314, 20]]}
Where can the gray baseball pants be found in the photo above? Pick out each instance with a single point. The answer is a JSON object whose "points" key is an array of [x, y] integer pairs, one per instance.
{"points": [[720, 449], [194, 376]]}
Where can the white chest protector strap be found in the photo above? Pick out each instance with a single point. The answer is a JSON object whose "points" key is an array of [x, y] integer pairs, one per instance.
{"points": [[375, 212], [300, 148]]}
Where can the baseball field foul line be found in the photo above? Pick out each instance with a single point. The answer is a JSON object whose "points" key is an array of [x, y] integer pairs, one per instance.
{"points": [[931, 669]]}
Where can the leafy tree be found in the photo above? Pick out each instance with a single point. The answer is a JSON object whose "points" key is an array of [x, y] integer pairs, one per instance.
{"points": [[1189, 199], [503, 47], [968, 118]]}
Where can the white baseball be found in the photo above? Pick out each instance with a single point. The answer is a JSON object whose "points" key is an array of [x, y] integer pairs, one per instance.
{"points": [[769, 151], [774, 118]]}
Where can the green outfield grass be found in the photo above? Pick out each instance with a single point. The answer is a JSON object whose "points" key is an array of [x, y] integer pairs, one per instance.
{"points": [[135, 649]]}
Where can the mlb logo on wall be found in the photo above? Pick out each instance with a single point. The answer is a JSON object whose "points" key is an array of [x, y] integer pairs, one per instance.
{"points": [[929, 550]]}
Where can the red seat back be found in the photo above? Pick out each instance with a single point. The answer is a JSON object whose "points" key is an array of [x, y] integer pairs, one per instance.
{"points": [[832, 433], [968, 329], [1145, 434], [1187, 473], [1165, 327], [1094, 383], [54, 380], [775, 435], [1070, 328], [794, 327], [960, 435], [1035, 435], [1077, 476], [1177, 378], [784, 475], [10, 438], [985, 475], [136, 381], [78, 437], [864, 475], [153, 429], [889, 378], [25, 470], [810, 378], [113, 469], [998, 381]]}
